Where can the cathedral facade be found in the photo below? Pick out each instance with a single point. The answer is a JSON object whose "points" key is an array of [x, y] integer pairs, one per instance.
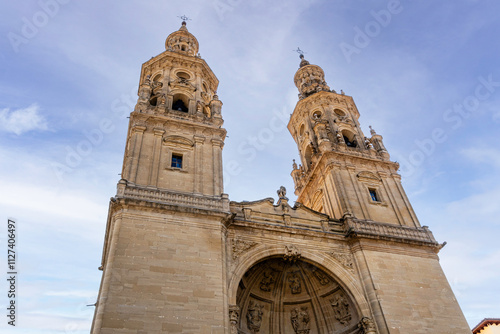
{"points": [[179, 257]]}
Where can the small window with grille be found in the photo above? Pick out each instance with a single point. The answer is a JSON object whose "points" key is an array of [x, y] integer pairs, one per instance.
{"points": [[176, 161], [374, 195]]}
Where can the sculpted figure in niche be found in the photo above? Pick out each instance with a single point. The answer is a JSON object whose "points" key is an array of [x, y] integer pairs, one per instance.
{"points": [[294, 280], [341, 309], [268, 280], [300, 320], [254, 316], [322, 278]]}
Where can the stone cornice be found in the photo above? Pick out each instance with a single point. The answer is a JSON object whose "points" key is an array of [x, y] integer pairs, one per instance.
{"points": [[138, 119], [162, 196], [355, 228], [180, 58]]}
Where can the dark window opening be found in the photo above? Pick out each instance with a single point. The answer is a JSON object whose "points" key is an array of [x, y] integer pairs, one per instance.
{"points": [[153, 101], [180, 106], [373, 195], [350, 143], [176, 161]]}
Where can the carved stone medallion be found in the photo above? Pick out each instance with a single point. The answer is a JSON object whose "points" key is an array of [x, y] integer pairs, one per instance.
{"points": [[345, 259], [241, 246]]}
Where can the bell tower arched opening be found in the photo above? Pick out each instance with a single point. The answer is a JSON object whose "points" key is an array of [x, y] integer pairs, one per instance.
{"points": [[308, 154], [180, 103]]}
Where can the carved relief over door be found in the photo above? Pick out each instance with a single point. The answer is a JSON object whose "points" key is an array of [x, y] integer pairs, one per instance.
{"points": [[280, 296]]}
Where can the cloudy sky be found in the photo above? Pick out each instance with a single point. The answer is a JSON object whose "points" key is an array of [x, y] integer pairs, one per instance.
{"points": [[424, 74]]}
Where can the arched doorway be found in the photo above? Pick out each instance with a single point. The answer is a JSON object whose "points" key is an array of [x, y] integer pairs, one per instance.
{"points": [[285, 297]]}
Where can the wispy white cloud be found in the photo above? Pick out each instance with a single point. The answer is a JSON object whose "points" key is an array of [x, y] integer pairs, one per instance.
{"points": [[488, 155], [72, 293], [22, 120]]}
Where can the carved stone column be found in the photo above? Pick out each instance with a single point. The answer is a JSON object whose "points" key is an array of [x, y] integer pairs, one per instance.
{"points": [[234, 318]]}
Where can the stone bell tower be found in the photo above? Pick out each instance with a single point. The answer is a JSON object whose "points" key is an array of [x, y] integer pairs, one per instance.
{"points": [[349, 177], [163, 250], [342, 171]]}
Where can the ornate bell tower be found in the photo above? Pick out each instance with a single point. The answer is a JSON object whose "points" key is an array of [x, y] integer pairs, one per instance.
{"points": [[349, 177], [164, 248], [175, 137], [342, 171]]}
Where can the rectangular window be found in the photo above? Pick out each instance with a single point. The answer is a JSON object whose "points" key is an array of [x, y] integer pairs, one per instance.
{"points": [[373, 195], [176, 161]]}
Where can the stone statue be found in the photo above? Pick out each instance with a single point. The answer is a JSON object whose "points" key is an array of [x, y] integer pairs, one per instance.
{"points": [[268, 280], [300, 320], [282, 192], [341, 309], [368, 144], [295, 285], [339, 137]]}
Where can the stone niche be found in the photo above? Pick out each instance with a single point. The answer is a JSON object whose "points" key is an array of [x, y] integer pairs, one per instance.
{"points": [[282, 296]]}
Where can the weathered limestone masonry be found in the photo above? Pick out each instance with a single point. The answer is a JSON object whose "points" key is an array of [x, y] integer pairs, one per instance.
{"points": [[349, 257]]}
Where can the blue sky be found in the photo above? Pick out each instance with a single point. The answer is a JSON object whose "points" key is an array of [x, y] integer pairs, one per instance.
{"points": [[426, 77]]}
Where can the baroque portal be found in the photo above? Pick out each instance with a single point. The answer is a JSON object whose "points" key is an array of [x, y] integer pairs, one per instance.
{"points": [[297, 299]]}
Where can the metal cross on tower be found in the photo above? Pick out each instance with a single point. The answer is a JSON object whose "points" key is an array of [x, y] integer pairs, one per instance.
{"points": [[184, 18], [300, 52]]}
